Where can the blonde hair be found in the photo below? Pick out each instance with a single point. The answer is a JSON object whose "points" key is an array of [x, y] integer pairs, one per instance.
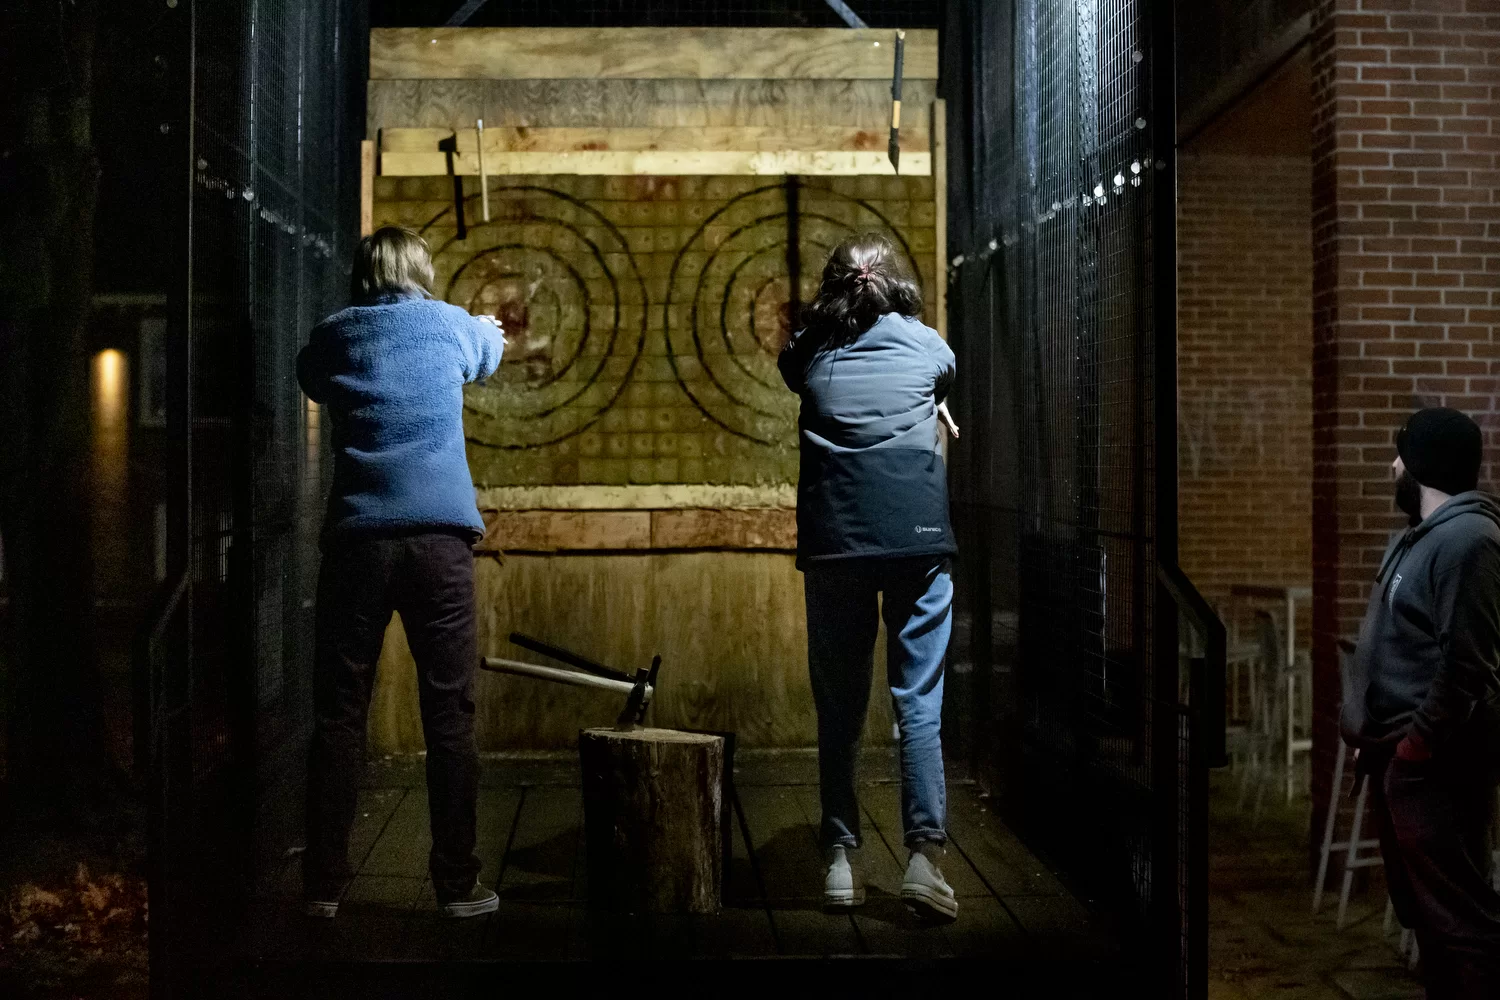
{"points": [[391, 259]]}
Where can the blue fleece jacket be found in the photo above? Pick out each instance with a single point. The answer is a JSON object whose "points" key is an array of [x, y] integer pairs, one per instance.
{"points": [[391, 375]]}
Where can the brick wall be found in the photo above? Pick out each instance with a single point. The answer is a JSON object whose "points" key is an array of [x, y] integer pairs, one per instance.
{"points": [[644, 315], [1407, 267], [1245, 370]]}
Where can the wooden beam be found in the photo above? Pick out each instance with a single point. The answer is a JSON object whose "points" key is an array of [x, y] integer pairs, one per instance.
{"points": [[659, 163], [366, 187], [774, 529], [563, 531], [940, 214], [645, 53], [767, 529], [831, 138], [661, 496], [454, 104]]}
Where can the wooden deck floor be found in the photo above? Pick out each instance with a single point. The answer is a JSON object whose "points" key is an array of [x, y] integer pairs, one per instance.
{"points": [[531, 823]]}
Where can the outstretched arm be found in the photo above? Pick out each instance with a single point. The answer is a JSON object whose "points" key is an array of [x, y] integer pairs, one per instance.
{"points": [[486, 347]]}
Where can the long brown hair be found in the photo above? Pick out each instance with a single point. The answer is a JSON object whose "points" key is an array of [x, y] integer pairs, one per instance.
{"points": [[865, 278]]}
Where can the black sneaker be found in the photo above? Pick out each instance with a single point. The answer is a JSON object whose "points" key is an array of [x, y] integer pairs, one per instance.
{"points": [[476, 901], [324, 906]]}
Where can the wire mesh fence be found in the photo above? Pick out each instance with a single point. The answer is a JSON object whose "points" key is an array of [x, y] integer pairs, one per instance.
{"points": [[1054, 191]]}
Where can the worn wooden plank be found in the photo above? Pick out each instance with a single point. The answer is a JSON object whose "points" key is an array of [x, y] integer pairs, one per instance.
{"points": [[740, 665], [455, 104], [883, 807], [646, 53], [771, 528], [658, 163], [561, 531], [372, 920], [940, 216], [884, 923], [985, 929], [538, 885], [402, 845], [670, 496], [705, 138], [1004, 863], [791, 864], [544, 851], [366, 187], [558, 531]]}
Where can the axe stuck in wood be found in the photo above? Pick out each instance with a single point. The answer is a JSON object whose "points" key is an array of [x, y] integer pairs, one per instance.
{"points": [[638, 690]]}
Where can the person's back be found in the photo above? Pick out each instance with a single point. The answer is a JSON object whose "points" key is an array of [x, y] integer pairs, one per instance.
{"points": [[872, 481], [391, 373], [398, 537], [873, 540]]}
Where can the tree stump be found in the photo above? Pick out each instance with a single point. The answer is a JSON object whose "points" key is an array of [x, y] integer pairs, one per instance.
{"points": [[654, 819]]}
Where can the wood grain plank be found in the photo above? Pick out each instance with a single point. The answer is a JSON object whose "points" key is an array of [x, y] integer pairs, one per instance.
{"points": [[1004, 863], [741, 666], [658, 163], [666, 496], [774, 529], [884, 923], [402, 845], [560, 531], [883, 807], [791, 863], [544, 852], [455, 104], [706, 138], [647, 53], [939, 146], [366, 187], [539, 886]]}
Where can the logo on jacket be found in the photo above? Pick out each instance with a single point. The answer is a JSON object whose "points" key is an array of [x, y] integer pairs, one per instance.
{"points": [[1390, 597], [922, 531]]}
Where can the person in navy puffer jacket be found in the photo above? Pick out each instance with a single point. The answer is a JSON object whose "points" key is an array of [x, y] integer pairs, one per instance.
{"points": [[872, 523], [398, 536]]}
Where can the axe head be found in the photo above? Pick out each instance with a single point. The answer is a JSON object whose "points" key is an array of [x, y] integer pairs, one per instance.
{"points": [[640, 697]]}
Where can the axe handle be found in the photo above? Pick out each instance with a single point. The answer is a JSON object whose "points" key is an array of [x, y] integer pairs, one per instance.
{"points": [[558, 674], [566, 656]]}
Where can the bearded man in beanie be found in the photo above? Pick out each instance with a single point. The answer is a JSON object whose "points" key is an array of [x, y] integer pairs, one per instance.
{"points": [[1422, 704]]}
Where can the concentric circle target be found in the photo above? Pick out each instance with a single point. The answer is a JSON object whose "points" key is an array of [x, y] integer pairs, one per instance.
{"points": [[562, 280], [727, 312]]}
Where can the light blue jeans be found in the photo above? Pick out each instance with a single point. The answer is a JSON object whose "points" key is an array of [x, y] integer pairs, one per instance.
{"points": [[842, 609]]}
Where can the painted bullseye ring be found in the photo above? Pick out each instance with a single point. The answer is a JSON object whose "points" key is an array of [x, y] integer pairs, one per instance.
{"points": [[740, 390], [550, 266]]}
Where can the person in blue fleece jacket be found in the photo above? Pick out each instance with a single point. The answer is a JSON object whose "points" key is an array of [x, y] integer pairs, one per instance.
{"points": [[873, 539], [398, 536]]}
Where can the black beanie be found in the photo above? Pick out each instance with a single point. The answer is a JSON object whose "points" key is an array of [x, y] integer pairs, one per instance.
{"points": [[1441, 448]]}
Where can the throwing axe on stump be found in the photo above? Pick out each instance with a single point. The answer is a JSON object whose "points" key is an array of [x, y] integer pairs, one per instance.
{"points": [[638, 690], [653, 799]]}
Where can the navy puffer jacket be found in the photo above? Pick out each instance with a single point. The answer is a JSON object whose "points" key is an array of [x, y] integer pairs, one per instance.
{"points": [[872, 481]]}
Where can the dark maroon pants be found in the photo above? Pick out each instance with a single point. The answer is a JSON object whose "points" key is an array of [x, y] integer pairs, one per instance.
{"points": [[428, 578], [1433, 818]]}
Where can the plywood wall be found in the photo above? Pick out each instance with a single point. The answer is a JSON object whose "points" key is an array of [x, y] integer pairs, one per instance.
{"points": [[730, 629], [645, 311], [644, 315]]}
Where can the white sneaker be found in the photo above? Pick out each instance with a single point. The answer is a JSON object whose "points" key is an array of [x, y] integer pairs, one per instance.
{"points": [[842, 887], [924, 890]]}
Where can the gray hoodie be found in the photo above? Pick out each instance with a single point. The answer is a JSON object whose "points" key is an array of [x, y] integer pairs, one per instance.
{"points": [[1428, 657]]}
